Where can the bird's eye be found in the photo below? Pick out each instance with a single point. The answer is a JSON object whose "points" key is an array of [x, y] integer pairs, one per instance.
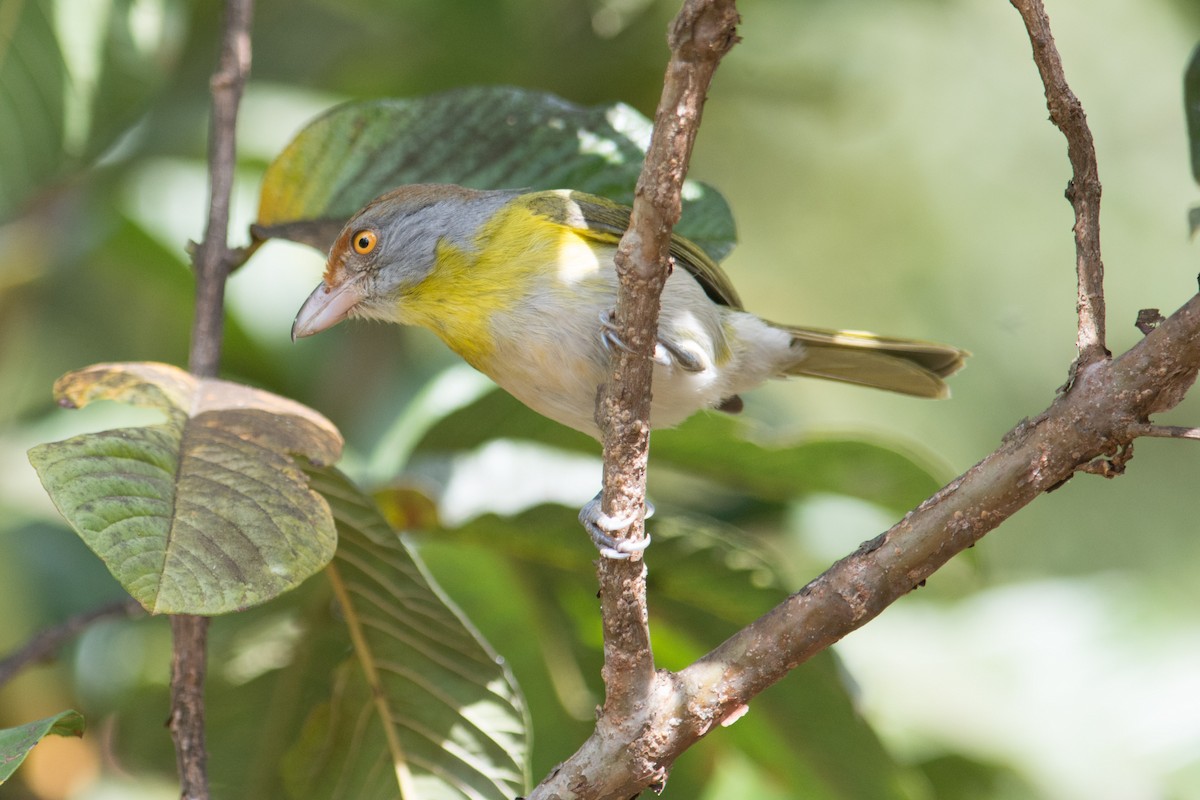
{"points": [[364, 242]]}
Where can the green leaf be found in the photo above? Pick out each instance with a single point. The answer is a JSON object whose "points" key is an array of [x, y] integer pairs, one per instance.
{"points": [[498, 415], [15, 743], [714, 446], [484, 137], [205, 513], [1191, 107], [32, 74], [425, 708]]}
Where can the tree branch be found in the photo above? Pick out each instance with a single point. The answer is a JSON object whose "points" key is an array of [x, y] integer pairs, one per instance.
{"points": [[1083, 190], [213, 261], [44, 645], [1090, 428], [213, 258], [701, 34], [1098, 420]]}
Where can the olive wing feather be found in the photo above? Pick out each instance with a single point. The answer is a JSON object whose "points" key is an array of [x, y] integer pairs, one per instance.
{"points": [[605, 221]]}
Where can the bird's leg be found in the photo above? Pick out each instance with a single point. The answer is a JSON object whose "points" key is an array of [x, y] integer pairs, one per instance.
{"points": [[599, 525], [666, 353]]}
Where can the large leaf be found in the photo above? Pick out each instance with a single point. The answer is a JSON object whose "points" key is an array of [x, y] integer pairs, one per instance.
{"points": [[485, 137], [714, 446], [15, 743], [425, 709], [205, 513]]}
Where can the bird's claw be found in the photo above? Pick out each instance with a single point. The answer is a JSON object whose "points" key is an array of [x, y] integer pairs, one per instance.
{"points": [[599, 525], [665, 353]]}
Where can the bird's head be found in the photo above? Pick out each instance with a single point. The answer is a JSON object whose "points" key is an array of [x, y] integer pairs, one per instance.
{"points": [[389, 247]]}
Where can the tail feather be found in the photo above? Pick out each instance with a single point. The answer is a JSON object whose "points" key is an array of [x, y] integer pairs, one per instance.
{"points": [[897, 365]]}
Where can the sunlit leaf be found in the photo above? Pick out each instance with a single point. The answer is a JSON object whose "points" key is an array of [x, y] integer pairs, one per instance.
{"points": [[425, 706], [485, 137], [15, 743], [205, 513]]}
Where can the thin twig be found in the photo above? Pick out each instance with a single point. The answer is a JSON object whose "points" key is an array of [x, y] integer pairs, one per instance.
{"points": [[213, 257], [1083, 191], [46, 643], [213, 261], [1165, 431]]}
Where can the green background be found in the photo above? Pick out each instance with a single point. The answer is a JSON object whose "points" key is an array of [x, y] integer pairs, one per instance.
{"points": [[890, 167]]}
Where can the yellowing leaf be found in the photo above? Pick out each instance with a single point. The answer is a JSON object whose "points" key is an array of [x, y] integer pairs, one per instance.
{"points": [[205, 513]]}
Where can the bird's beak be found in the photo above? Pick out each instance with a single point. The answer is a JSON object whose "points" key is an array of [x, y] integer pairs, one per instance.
{"points": [[326, 307]]}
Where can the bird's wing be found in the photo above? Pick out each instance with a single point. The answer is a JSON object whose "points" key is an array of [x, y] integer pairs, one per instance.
{"points": [[605, 221]]}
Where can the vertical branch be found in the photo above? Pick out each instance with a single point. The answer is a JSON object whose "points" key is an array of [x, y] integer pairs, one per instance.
{"points": [[700, 35], [1066, 112], [213, 261], [213, 258]]}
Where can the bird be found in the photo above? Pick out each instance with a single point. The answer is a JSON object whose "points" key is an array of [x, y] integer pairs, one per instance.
{"points": [[522, 285]]}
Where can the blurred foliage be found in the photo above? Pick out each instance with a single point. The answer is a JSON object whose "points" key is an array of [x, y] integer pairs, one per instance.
{"points": [[889, 167], [1191, 108]]}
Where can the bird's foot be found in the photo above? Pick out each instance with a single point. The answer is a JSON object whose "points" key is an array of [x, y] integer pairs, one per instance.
{"points": [[600, 525], [665, 353]]}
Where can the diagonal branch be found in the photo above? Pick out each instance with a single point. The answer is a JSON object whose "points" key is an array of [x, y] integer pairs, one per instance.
{"points": [[1083, 191], [1096, 422], [1090, 428], [47, 643]]}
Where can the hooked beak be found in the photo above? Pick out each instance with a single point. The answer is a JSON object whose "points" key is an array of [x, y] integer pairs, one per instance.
{"points": [[326, 307]]}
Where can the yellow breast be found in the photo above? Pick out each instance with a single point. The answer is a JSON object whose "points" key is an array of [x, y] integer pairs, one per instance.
{"points": [[470, 297]]}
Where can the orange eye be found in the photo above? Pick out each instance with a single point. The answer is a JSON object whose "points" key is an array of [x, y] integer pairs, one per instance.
{"points": [[364, 242]]}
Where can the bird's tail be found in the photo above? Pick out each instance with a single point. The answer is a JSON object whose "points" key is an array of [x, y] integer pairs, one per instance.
{"points": [[898, 365]]}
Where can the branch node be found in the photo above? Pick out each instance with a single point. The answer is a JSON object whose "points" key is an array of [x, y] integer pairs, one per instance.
{"points": [[1109, 466], [1148, 319]]}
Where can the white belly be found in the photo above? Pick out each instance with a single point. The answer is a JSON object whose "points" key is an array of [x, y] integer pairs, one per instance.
{"points": [[550, 353]]}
